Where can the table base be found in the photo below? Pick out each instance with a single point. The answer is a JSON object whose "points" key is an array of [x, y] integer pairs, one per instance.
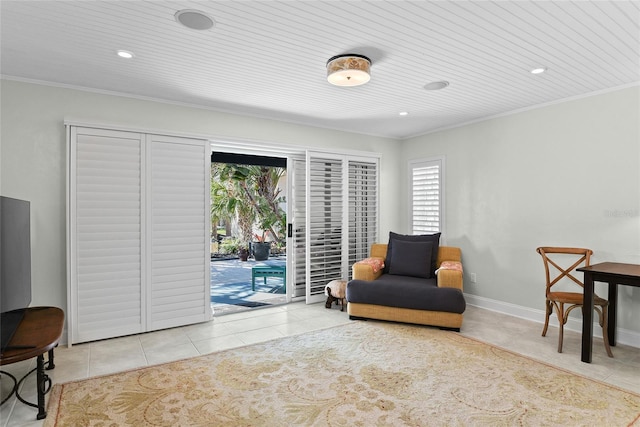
{"points": [[43, 384]]}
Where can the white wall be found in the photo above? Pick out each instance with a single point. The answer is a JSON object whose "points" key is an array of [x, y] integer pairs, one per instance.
{"points": [[562, 175], [33, 162]]}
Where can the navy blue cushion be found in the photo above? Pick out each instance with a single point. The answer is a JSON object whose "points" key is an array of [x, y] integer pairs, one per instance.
{"points": [[406, 292], [433, 238], [411, 259]]}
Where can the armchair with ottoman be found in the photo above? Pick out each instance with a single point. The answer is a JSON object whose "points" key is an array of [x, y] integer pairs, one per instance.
{"points": [[411, 280]]}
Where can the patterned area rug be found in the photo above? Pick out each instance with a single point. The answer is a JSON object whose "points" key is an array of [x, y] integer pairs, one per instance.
{"points": [[360, 374]]}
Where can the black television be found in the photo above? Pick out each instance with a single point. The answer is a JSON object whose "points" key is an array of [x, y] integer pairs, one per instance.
{"points": [[15, 265]]}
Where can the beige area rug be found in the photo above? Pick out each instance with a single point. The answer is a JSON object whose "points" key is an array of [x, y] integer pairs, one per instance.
{"points": [[360, 374]]}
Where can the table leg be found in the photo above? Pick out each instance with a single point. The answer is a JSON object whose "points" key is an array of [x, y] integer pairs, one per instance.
{"points": [[43, 385], [587, 318], [50, 364], [611, 320], [41, 380]]}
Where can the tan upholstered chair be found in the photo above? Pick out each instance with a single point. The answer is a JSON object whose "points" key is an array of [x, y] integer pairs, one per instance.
{"points": [[565, 301], [446, 277]]}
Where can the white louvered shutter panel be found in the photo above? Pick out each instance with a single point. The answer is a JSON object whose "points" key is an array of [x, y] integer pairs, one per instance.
{"points": [[179, 290], [326, 209], [138, 241], [426, 196], [298, 200], [106, 228], [363, 208]]}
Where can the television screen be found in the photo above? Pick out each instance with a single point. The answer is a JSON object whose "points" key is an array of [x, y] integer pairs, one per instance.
{"points": [[15, 264]]}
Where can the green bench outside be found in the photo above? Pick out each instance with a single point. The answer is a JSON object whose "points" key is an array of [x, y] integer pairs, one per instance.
{"points": [[268, 271]]}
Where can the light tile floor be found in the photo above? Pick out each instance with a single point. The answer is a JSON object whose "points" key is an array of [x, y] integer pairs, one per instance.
{"points": [[239, 329]]}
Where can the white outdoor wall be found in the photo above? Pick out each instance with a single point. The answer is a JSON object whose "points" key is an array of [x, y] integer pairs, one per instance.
{"points": [[33, 164], [562, 175]]}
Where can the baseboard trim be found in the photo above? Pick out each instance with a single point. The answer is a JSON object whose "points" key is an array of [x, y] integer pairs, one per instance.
{"points": [[623, 336]]}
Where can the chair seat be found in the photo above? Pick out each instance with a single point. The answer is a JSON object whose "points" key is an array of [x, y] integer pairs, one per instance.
{"points": [[574, 298]]}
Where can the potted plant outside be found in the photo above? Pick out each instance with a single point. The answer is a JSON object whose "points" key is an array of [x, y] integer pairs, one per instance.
{"points": [[261, 249], [243, 253], [235, 246]]}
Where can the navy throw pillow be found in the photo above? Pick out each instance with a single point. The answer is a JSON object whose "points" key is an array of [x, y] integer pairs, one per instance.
{"points": [[433, 238], [411, 259]]}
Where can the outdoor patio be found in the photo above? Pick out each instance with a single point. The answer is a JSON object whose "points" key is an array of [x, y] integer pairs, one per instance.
{"points": [[231, 285]]}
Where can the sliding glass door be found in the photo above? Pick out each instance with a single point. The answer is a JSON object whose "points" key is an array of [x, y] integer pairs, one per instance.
{"points": [[332, 214]]}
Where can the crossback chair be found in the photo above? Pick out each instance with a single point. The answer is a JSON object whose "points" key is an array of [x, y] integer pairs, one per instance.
{"points": [[558, 299]]}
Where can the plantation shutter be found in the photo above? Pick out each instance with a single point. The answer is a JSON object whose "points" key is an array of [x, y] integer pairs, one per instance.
{"points": [[105, 252], [363, 209], [179, 291], [326, 208], [342, 216], [138, 233], [298, 221], [426, 196]]}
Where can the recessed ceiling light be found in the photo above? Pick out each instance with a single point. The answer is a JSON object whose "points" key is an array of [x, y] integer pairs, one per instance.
{"points": [[403, 113], [125, 54], [194, 19], [539, 70], [436, 85]]}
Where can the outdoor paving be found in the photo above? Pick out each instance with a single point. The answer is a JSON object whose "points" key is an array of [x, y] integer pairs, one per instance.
{"points": [[231, 285]]}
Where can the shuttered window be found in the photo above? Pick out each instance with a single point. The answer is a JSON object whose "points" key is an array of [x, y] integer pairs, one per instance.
{"points": [[325, 223], [342, 216], [426, 195], [298, 220], [363, 209]]}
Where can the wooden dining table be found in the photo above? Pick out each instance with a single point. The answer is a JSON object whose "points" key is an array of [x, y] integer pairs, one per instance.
{"points": [[613, 273]]}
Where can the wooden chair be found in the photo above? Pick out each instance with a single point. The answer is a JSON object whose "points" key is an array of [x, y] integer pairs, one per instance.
{"points": [[559, 298]]}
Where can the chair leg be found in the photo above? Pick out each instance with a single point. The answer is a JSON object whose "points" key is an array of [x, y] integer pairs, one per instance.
{"points": [[605, 334], [549, 309], [561, 321]]}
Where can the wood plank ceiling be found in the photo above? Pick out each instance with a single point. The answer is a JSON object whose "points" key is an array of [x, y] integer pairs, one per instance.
{"points": [[268, 58]]}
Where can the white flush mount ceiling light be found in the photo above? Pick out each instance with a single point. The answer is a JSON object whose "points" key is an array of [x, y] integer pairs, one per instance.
{"points": [[538, 70], [194, 19], [436, 85], [348, 70], [125, 54]]}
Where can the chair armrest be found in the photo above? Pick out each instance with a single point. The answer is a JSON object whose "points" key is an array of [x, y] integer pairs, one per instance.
{"points": [[450, 275], [361, 271], [364, 271], [450, 279]]}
